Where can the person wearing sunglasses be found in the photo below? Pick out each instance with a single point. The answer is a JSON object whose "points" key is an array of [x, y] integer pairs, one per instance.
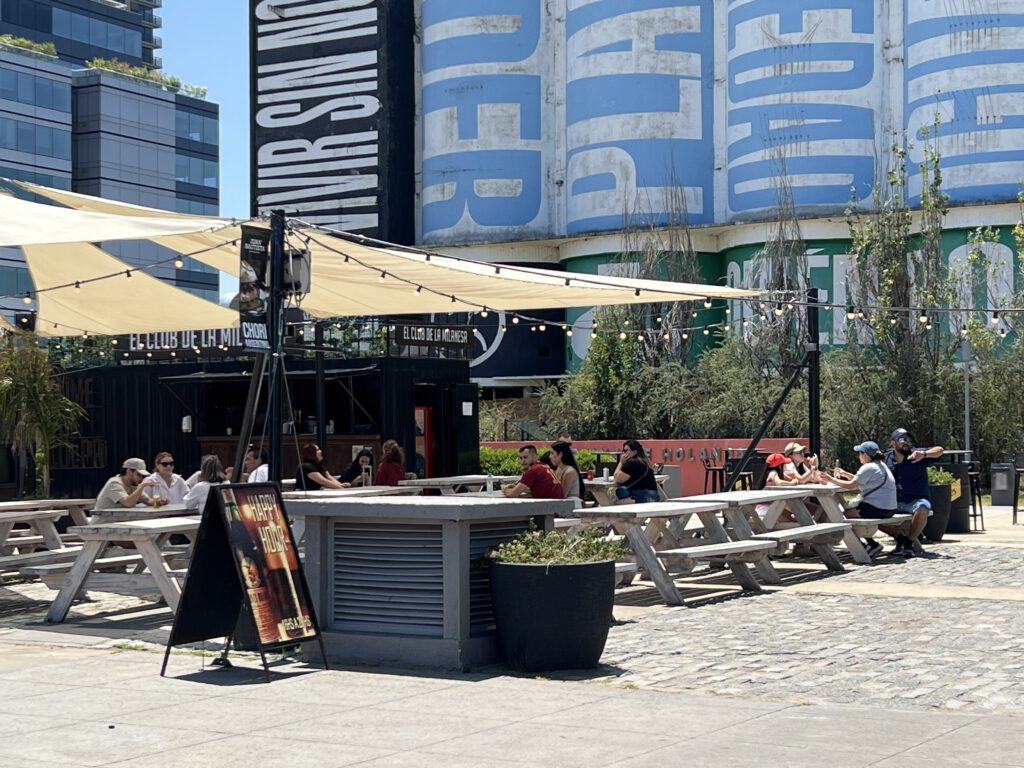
{"points": [[168, 487], [909, 465]]}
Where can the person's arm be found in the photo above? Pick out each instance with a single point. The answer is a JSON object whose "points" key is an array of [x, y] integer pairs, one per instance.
{"points": [[927, 453], [324, 481], [133, 498], [620, 476], [569, 479], [519, 489], [850, 484]]}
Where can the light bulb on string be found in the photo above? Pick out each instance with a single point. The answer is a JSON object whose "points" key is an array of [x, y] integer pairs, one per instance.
{"points": [[658, 319], [665, 336], [515, 319], [851, 312], [383, 275], [706, 331], [860, 313], [963, 330], [533, 329], [639, 337], [728, 309], [626, 323], [483, 312], [686, 335], [128, 274], [542, 327], [179, 262], [779, 310], [593, 333], [501, 329], [707, 303], [568, 332], [27, 298], [995, 318], [694, 313], [78, 286], [622, 335], [923, 317], [892, 320], [418, 289]]}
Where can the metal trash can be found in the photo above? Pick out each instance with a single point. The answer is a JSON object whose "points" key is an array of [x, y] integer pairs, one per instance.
{"points": [[1004, 485]]}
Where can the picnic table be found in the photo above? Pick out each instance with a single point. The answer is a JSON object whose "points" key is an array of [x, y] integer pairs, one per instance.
{"points": [[75, 508], [449, 486], [655, 533], [146, 536], [21, 548], [743, 515], [601, 488], [139, 512]]}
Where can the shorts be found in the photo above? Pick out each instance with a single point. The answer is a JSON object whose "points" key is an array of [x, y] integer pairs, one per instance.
{"points": [[871, 512], [909, 507]]}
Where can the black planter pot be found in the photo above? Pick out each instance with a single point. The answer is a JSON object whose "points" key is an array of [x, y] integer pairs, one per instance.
{"points": [[553, 616], [935, 529]]}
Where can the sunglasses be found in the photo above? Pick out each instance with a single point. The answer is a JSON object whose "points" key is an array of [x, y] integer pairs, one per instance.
{"points": [[905, 441], [166, 463]]}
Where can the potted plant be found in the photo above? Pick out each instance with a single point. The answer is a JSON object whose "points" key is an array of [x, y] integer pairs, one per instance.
{"points": [[552, 598], [939, 482]]}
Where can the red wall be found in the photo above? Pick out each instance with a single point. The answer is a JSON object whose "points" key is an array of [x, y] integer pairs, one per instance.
{"points": [[687, 454]]}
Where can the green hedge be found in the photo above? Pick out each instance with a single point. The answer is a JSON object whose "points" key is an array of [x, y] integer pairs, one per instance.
{"points": [[505, 461]]}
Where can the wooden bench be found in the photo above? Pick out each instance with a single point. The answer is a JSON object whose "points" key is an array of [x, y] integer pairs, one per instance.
{"points": [[9, 563], [42, 521], [736, 553], [818, 536], [52, 575], [864, 526], [145, 536]]}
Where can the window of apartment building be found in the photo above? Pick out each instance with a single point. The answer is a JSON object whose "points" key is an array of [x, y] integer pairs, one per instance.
{"points": [[39, 91]]}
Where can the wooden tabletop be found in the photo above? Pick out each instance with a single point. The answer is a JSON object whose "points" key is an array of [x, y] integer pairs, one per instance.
{"points": [[446, 482], [671, 508], [25, 505], [142, 512], [764, 496], [600, 482], [139, 527], [353, 493]]}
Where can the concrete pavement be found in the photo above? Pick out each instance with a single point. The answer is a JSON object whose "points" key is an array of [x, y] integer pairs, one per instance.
{"points": [[900, 663]]}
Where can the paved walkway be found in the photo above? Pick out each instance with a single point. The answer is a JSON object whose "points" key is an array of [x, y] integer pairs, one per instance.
{"points": [[910, 664]]}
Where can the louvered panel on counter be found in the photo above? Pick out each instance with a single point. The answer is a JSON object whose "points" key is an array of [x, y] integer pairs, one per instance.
{"points": [[388, 577], [482, 537]]}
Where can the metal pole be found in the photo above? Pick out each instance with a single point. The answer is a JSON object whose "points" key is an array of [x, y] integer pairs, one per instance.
{"points": [[965, 348], [321, 397], [275, 311], [813, 358], [252, 402]]}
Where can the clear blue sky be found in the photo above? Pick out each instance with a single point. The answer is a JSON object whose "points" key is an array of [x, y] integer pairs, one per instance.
{"points": [[206, 42]]}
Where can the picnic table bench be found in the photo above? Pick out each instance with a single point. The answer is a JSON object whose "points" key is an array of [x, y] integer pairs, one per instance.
{"points": [[145, 535], [18, 546], [75, 508]]}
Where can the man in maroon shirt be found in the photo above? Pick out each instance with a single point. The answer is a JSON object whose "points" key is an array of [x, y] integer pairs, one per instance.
{"points": [[537, 481]]}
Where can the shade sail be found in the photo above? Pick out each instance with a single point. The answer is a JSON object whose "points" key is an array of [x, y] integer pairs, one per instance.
{"points": [[351, 276], [141, 303]]}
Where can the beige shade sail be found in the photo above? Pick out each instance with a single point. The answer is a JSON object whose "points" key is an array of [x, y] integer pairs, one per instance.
{"points": [[112, 306], [351, 276]]}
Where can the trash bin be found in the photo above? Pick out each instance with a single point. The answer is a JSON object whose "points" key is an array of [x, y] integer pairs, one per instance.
{"points": [[1004, 485]]}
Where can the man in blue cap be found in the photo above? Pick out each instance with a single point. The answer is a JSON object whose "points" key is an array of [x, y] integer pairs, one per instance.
{"points": [[909, 465]]}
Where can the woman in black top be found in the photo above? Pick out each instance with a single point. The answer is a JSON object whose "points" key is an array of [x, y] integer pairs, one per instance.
{"points": [[354, 474], [635, 476], [313, 474]]}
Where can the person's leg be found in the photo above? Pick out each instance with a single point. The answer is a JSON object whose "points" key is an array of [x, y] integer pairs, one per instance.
{"points": [[921, 509]]}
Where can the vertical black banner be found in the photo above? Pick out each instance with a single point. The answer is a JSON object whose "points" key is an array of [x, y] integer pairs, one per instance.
{"points": [[332, 113], [254, 286]]}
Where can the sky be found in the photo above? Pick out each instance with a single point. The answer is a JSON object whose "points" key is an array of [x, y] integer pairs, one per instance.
{"points": [[206, 42]]}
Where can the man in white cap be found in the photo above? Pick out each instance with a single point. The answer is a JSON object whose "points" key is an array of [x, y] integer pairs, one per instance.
{"points": [[126, 489]]}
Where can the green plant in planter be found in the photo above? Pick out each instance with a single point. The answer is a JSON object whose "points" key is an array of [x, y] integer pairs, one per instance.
{"points": [[938, 476], [538, 548]]}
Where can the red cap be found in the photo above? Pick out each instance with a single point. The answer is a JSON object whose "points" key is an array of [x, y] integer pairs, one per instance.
{"points": [[776, 460]]}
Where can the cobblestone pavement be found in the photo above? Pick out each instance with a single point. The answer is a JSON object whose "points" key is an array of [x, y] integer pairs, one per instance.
{"points": [[951, 653]]}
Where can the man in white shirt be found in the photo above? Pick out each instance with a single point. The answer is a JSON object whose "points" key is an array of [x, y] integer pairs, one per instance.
{"points": [[256, 465], [127, 489]]}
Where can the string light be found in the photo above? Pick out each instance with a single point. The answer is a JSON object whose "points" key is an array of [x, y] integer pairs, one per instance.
{"points": [[128, 274], [622, 335], [78, 286], [419, 289], [658, 319], [694, 313], [179, 262], [383, 275], [706, 331], [995, 318], [568, 332], [28, 298], [685, 335], [923, 317], [707, 303], [593, 333], [501, 329], [636, 292], [665, 336], [778, 310], [483, 312], [515, 319], [542, 327], [851, 312]]}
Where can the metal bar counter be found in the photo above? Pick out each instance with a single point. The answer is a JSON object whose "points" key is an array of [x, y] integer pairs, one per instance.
{"points": [[400, 580]]}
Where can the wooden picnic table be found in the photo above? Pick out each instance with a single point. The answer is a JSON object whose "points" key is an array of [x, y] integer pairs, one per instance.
{"points": [[41, 534], [778, 496], [650, 527], [139, 512], [449, 486], [75, 508], [601, 488], [145, 535]]}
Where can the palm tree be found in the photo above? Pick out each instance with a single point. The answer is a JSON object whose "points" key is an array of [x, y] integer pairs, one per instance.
{"points": [[35, 415]]}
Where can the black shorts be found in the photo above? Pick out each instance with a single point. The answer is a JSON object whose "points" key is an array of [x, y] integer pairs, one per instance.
{"points": [[870, 511]]}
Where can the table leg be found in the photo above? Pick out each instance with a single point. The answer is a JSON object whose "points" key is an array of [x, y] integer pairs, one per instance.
{"points": [[78, 515], [743, 576], [648, 560], [834, 514], [5, 530], [824, 551], [158, 568], [48, 531], [763, 564], [75, 580]]}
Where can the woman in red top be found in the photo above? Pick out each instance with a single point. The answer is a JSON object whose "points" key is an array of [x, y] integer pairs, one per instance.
{"points": [[392, 467]]}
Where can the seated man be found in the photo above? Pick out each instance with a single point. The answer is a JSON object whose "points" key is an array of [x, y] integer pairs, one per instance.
{"points": [[537, 481], [909, 465], [257, 466], [127, 489]]}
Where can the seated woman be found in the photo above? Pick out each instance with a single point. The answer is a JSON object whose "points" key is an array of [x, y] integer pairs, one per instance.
{"points": [[877, 486], [775, 477], [567, 472], [211, 472], [392, 465], [634, 476], [801, 465], [313, 474], [358, 469]]}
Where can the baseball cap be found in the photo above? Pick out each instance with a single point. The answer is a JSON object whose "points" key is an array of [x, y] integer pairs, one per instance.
{"points": [[792, 448], [137, 464], [776, 460], [896, 435], [869, 447]]}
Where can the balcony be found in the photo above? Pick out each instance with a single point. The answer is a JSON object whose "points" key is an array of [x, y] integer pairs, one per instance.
{"points": [[151, 20], [156, 42]]}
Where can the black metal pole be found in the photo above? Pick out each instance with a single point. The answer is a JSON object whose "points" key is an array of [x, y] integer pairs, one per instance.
{"points": [[275, 312], [813, 357], [321, 397], [741, 465], [252, 402]]}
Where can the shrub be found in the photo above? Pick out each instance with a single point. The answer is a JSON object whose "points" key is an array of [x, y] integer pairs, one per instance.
{"points": [[47, 48], [537, 548], [938, 476], [499, 461]]}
